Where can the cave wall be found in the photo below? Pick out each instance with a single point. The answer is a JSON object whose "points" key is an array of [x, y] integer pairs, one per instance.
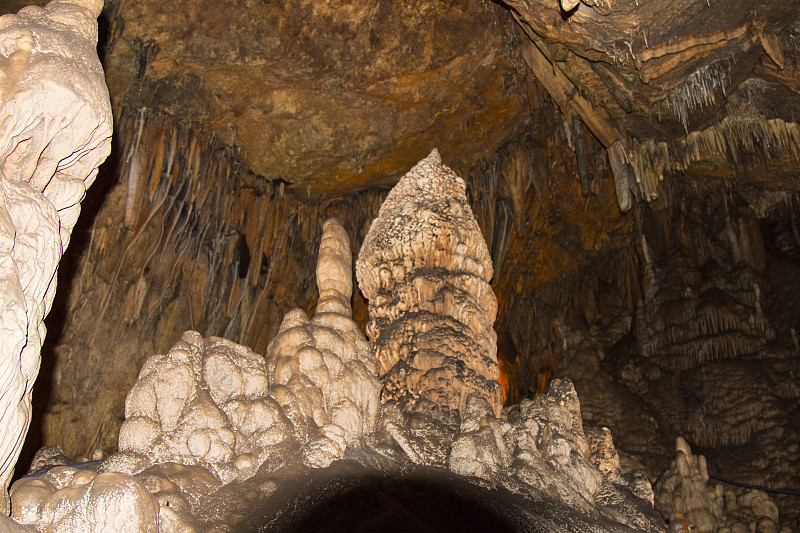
{"points": [[709, 349], [183, 236], [677, 318]]}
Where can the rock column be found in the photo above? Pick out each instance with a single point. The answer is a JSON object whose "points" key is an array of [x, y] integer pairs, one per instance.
{"points": [[55, 130], [425, 268]]}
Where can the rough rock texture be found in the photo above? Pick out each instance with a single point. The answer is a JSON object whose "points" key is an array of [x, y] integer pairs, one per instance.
{"points": [[685, 490], [550, 451], [425, 268], [421, 232], [662, 85], [321, 370], [223, 411], [208, 247], [326, 95], [215, 436], [217, 403], [55, 129], [707, 350]]}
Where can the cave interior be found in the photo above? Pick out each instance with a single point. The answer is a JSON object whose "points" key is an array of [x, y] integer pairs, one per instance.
{"points": [[634, 167]]}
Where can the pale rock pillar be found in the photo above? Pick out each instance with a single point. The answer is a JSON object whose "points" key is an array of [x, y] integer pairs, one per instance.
{"points": [[55, 130]]}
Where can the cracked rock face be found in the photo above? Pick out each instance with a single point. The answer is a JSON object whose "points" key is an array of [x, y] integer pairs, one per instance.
{"points": [[425, 268], [55, 130]]}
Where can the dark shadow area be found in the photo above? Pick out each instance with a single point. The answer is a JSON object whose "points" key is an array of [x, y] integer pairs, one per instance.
{"points": [[349, 496], [401, 504]]}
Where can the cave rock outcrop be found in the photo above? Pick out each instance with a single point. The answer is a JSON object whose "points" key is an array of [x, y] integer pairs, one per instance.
{"points": [[687, 491], [217, 403], [425, 269], [214, 431], [211, 412], [55, 130]]}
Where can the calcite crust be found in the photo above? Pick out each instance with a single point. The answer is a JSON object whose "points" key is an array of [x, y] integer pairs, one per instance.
{"points": [[425, 268]]}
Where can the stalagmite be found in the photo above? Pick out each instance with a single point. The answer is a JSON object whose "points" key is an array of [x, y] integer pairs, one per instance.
{"points": [[425, 268], [55, 130], [217, 402], [708, 506], [213, 430], [321, 370]]}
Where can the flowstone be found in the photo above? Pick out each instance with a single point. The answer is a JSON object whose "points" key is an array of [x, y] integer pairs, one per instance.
{"points": [[55, 130]]}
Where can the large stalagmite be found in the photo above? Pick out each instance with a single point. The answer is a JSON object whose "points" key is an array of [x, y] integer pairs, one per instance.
{"points": [[217, 438], [55, 130], [211, 413], [425, 269]]}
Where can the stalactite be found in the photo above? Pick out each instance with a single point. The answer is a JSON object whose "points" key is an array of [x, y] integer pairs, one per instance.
{"points": [[623, 176], [580, 155], [134, 171], [731, 138], [699, 89]]}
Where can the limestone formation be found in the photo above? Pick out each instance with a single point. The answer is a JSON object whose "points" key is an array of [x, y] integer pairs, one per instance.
{"points": [[217, 403], [222, 411], [72, 500], [213, 430], [205, 402], [551, 451], [55, 130], [425, 268], [686, 490], [321, 371]]}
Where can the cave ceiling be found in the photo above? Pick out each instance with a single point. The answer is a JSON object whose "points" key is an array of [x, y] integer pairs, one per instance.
{"points": [[341, 95]]}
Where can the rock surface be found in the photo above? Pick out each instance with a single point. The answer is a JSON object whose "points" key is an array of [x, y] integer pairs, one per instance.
{"points": [[55, 130], [216, 403], [686, 490], [215, 435], [425, 267], [326, 95]]}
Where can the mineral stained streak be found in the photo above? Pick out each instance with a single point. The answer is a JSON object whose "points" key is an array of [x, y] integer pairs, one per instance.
{"points": [[425, 268]]}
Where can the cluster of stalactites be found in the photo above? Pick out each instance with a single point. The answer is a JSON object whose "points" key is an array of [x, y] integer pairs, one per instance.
{"points": [[425, 268], [731, 138]]}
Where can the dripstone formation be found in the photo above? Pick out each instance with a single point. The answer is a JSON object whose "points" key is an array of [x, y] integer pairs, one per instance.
{"points": [[218, 438], [425, 268], [211, 413], [55, 130]]}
